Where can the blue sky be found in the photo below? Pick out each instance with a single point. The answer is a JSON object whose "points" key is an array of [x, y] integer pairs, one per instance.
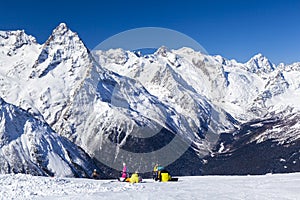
{"points": [[235, 29]]}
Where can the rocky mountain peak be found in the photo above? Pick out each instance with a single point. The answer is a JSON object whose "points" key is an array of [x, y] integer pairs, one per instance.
{"points": [[260, 63], [62, 27], [61, 47], [14, 40], [162, 51]]}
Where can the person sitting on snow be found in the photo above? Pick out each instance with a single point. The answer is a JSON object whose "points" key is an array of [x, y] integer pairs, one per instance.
{"points": [[95, 174], [135, 178]]}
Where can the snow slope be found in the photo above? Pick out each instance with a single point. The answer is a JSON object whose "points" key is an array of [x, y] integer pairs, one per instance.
{"points": [[28, 145], [280, 186]]}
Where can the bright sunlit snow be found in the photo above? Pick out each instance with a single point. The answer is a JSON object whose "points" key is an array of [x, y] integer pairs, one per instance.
{"points": [[280, 186]]}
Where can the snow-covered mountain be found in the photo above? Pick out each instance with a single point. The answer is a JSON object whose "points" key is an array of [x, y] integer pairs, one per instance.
{"points": [[246, 91], [242, 94], [28, 145], [86, 103], [122, 106]]}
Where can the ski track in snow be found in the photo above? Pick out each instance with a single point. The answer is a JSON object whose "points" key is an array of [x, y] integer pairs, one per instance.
{"points": [[279, 186]]}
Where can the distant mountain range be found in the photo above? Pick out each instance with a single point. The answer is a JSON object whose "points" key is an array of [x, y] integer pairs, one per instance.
{"points": [[66, 110]]}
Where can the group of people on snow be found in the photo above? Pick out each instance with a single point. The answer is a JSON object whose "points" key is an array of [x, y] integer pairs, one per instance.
{"points": [[135, 178], [159, 174]]}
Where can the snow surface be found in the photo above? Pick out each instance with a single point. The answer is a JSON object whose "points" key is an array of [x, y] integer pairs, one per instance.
{"points": [[279, 186]]}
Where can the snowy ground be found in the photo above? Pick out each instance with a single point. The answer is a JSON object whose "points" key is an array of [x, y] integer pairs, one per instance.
{"points": [[281, 186]]}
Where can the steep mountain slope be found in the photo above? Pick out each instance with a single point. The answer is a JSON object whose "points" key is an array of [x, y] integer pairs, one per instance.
{"points": [[30, 146], [173, 107], [159, 78], [18, 52], [246, 91], [259, 147], [107, 114], [253, 93]]}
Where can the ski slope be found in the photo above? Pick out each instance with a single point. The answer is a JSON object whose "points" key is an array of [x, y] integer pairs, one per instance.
{"points": [[279, 186]]}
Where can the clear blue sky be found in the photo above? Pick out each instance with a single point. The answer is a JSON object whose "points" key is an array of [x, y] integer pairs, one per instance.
{"points": [[232, 28]]}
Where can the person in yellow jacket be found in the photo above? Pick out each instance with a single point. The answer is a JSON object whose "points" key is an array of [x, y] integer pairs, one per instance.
{"points": [[155, 172], [135, 178]]}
